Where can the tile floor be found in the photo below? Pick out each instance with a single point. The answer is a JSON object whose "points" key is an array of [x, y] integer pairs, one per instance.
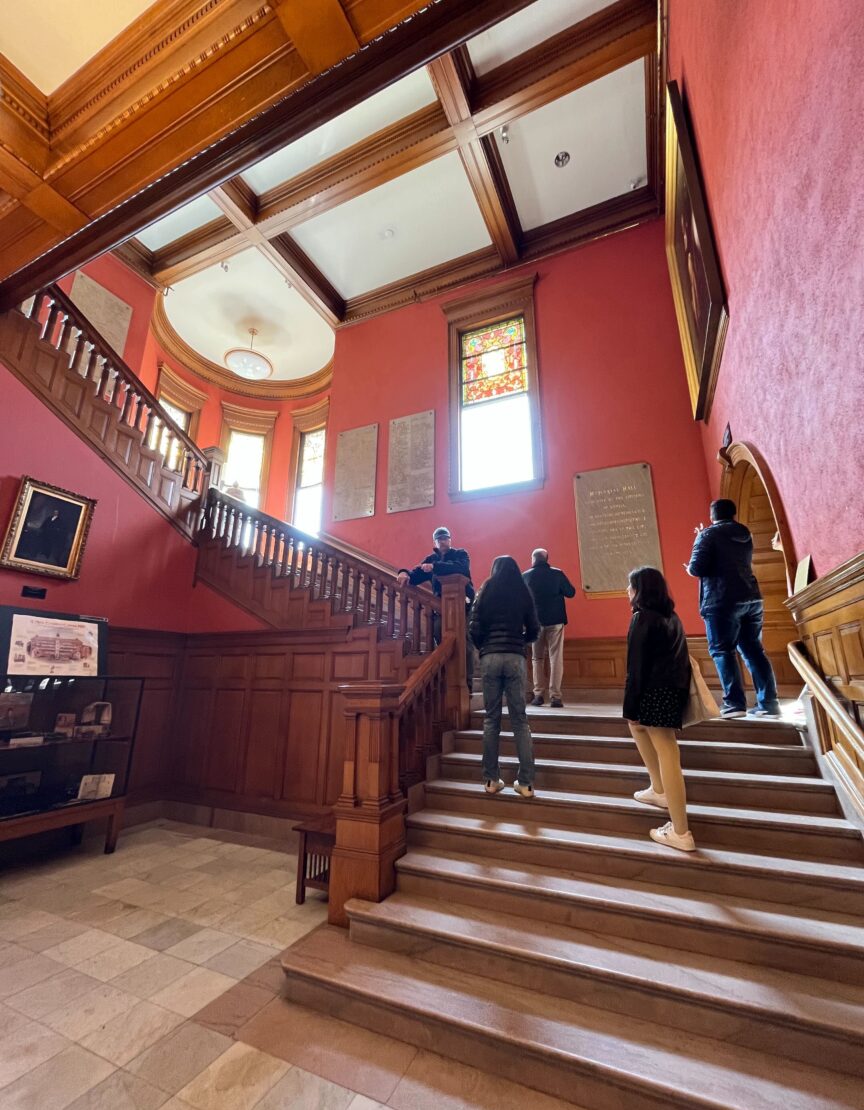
{"points": [[150, 978]]}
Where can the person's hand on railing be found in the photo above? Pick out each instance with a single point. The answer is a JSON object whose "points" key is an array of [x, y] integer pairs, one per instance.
{"points": [[402, 578]]}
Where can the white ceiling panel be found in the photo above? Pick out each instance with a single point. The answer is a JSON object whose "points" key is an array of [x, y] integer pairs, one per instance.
{"points": [[391, 104], [215, 309], [420, 219], [196, 213], [531, 26], [601, 126]]}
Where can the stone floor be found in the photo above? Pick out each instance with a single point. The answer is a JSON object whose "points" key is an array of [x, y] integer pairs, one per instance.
{"points": [[151, 978]]}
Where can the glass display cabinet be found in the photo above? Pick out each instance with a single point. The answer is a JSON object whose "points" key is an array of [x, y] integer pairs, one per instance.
{"points": [[66, 749]]}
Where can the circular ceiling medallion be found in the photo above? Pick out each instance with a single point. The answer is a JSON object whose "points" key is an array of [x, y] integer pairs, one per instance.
{"points": [[248, 364]]}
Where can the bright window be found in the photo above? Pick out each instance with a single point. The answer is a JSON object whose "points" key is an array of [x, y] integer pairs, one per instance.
{"points": [[310, 482], [495, 443], [162, 440], [242, 472]]}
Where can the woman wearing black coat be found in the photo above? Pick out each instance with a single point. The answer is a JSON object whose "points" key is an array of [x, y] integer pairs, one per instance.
{"points": [[503, 621], [656, 691]]}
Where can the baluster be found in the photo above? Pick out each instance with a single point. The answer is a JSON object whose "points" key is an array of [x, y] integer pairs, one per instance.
{"points": [[50, 320], [65, 327], [391, 611], [128, 399], [36, 307], [403, 614], [237, 529], [153, 417], [365, 612], [355, 588], [415, 627], [78, 353]]}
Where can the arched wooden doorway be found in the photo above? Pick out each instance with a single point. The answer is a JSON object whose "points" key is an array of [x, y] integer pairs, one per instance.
{"points": [[750, 484]]}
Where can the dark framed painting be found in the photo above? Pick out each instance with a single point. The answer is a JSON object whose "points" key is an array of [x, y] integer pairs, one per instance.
{"points": [[697, 284], [48, 530]]}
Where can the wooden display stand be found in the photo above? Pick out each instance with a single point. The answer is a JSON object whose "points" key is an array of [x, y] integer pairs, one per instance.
{"points": [[11, 828]]}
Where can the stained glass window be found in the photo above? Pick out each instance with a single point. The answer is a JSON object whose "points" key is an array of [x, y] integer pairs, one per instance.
{"points": [[494, 362]]}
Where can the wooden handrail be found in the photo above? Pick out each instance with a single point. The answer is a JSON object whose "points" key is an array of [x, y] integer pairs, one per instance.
{"points": [[93, 359], [826, 697]]}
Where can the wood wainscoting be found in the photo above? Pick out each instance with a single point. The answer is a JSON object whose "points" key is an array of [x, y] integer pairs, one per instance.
{"points": [[829, 614], [601, 663]]}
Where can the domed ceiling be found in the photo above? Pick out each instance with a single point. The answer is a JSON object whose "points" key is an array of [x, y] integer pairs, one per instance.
{"points": [[213, 311]]}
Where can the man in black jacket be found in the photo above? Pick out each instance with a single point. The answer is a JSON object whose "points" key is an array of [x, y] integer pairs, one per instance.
{"points": [[445, 559], [549, 586], [731, 606]]}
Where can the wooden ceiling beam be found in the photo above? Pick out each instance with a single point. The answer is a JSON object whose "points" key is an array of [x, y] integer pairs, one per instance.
{"points": [[590, 49], [452, 77], [214, 242], [319, 30]]}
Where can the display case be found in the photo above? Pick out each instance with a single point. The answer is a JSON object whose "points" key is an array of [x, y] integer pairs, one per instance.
{"points": [[66, 749]]}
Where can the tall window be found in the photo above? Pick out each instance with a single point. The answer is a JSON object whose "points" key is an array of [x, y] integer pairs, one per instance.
{"points": [[495, 402], [243, 466], [310, 482], [161, 439]]}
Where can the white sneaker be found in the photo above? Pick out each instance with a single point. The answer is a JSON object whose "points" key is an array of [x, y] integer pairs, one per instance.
{"points": [[650, 797], [524, 788], [494, 787], [684, 842]]}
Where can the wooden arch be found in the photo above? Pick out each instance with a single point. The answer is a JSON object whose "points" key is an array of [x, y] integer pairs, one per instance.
{"points": [[735, 459]]}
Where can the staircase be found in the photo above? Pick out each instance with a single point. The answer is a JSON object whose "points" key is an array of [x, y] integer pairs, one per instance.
{"points": [[552, 942], [56, 352]]}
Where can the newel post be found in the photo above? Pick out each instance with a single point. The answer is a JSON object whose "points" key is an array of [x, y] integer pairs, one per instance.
{"points": [[216, 457], [370, 812], [453, 619]]}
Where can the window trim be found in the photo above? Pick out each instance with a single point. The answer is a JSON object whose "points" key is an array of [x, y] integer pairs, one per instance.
{"points": [[488, 306], [182, 395], [307, 419], [255, 422]]}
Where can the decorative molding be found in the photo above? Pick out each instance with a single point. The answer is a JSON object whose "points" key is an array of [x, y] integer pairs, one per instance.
{"points": [[196, 363], [255, 422], [492, 300], [311, 417], [177, 391], [21, 97], [842, 577]]}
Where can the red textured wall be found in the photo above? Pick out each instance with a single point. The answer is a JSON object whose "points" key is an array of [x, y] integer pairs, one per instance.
{"points": [[776, 98], [613, 392], [137, 570]]}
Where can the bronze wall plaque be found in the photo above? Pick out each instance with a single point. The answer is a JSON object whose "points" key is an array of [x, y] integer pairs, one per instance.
{"points": [[411, 462], [356, 467]]}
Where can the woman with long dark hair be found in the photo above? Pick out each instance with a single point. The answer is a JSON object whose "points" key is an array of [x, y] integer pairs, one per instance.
{"points": [[503, 621], [658, 680]]}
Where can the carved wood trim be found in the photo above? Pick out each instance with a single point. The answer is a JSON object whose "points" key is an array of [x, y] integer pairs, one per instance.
{"points": [[173, 345]]}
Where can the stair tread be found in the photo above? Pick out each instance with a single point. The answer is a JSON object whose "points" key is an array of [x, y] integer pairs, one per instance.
{"points": [[815, 823], [781, 866], [707, 908], [626, 1051], [776, 994], [737, 778], [715, 746]]}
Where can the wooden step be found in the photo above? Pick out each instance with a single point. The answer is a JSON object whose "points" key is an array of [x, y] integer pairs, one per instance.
{"points": [[725, 788], [770, 1011], [808, 835], [817, 884], [774, 759], [827, 945], [569, 1050], [573, 723]]}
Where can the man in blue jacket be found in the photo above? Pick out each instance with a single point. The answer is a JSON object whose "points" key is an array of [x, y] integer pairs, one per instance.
{"points": [[549, 586], [731, 606]]}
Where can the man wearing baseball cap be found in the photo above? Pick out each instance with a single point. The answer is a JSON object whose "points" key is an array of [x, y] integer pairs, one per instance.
{"points": [[445, 559]]}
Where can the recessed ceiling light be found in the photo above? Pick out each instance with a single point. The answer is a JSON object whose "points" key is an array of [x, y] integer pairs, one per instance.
{"points": [[561, 159], [387, 233]]}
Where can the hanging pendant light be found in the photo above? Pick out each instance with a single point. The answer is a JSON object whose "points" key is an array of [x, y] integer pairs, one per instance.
{"points": [[247, 363]]}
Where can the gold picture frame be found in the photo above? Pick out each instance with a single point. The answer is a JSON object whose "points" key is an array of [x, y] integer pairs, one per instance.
{"points": [[47, 531], [697, 284]]}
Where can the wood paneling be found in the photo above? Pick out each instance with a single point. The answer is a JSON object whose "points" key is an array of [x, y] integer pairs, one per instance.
{"points": [[829, 614]]}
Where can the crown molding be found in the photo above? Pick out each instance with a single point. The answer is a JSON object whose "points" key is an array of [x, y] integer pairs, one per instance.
{"points": [[179, 349], [313, 416], [179, 390]]}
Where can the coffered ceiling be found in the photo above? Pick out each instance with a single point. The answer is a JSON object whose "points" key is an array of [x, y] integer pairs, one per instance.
{"points": [[443, 174]]}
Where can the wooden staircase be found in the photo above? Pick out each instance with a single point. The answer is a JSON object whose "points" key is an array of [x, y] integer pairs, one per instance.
{"points": [[56, 352], [552, 942]]}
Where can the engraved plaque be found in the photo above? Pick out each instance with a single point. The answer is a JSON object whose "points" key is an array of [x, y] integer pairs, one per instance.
{"points": [[411, 462], [105, 311], [617, 525], [354, 485]]}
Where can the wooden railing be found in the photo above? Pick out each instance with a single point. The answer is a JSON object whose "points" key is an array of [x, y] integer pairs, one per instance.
{"points": [[832, 714], [67, 330], [352, 585], [392, 730]]}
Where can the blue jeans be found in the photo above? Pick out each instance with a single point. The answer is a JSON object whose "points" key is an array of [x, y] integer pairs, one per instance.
{"points": [[740, 627], [505, 674]]}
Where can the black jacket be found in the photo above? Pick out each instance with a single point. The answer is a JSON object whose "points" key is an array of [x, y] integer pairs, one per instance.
{"points": [[657, 657], [454, 561], [549, 586], [722, 561], [505, 625]]}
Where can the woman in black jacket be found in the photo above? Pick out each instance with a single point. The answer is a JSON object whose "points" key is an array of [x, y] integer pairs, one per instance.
{"points": [[658, 680], [503, 621]]}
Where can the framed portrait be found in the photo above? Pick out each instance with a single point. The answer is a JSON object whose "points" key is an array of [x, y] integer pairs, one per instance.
{"points": [[48, 530], [697, 285]]}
